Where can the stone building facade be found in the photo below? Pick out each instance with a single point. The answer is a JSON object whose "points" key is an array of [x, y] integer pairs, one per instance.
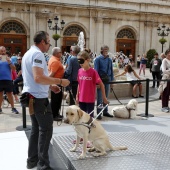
{"points": [[124, 25]]}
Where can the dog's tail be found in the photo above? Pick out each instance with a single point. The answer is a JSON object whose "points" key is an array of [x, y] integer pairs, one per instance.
{"points": [[116, 148]]}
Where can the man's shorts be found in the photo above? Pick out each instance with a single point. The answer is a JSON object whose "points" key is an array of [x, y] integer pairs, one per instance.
{"points": [[6, 85]]}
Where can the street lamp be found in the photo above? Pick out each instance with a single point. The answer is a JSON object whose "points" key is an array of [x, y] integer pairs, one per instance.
{"points": [[56, 27], [163, 32]]}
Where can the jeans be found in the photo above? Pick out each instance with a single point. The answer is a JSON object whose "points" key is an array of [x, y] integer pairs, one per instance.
{"points": [[16, 81], [156, 75], [100, 99], [41, 133], [87, 107]]}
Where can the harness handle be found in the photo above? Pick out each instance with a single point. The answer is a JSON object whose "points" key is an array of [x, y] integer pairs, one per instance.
{"points": [[98, 114]]}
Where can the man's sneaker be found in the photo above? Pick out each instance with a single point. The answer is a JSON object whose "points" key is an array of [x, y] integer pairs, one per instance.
{"points": [[165, 109], [107, 114], [15, 110], [0, 110]]}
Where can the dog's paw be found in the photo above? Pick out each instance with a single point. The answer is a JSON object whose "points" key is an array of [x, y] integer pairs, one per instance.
{"points": [[73, 149], [91, 149], [82, 156]]}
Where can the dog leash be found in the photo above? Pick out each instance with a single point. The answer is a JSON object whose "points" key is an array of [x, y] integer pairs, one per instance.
{"points": [[116, 96]]}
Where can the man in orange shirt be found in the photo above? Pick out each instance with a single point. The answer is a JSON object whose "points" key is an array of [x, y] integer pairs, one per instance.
{"points": [[56, 70]]}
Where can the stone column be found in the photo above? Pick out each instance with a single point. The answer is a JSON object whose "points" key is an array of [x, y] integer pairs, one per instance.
{"points": [[106, 31]]}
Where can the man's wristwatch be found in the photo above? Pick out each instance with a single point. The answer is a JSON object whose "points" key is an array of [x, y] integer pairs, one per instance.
{"points": [[10, 63]]}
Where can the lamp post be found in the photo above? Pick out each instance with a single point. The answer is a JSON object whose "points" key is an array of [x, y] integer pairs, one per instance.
{"points": [[163, 32], [55, 27]]}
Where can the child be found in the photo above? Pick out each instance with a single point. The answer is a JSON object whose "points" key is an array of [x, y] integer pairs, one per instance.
{"points": [[132, 76], [87, 80]]}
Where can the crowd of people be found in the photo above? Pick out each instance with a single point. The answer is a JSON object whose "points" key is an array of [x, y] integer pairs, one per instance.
{"points": [[40, 73]]}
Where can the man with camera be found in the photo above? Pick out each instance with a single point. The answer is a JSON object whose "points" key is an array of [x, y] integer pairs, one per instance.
{"points": [[6, 84]]}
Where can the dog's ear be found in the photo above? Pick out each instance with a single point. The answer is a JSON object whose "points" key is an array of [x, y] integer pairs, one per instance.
{"points": [[80, 113]]}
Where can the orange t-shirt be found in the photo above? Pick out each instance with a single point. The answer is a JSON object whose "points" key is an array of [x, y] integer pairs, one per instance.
{"points": [[55, 66]]}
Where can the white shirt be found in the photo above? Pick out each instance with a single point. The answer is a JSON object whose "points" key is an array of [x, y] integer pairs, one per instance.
{"points": [[34, 57], [130, 76]]}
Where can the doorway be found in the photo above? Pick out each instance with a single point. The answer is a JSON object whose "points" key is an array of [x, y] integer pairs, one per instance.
{"points": [[14, 43], [127, 46]]}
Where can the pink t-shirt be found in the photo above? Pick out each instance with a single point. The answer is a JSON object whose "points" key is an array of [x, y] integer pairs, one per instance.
{"points": [[87, 80]]}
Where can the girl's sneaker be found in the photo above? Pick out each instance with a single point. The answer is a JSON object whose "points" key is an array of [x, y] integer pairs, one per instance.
{"points": [[15, 110], [165, 109]]}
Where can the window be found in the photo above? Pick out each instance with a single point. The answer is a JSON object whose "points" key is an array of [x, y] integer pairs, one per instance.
{"points": [[73, 30], [125, 33], [12, 27]]}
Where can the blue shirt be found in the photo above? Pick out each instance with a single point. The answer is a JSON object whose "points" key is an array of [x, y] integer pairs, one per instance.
{"points": [[34, 58], [104, 65], [72, 69], [14, 59], [5, 71]]}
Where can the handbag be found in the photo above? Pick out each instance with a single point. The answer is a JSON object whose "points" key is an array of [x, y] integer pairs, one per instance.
{"points": [[24, 99], [104, 77]]}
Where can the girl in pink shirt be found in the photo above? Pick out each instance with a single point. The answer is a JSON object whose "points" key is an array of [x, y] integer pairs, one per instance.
{"points": [[87, 79]]}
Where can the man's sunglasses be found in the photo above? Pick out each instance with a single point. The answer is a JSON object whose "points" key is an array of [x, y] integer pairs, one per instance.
{"points": [[81, 60]]}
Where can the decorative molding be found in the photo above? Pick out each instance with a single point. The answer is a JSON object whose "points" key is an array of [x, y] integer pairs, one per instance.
{"points": [[42, 15], [106, 20]]}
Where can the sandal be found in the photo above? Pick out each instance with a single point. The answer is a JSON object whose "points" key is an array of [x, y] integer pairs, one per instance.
{"points": [[81, 141], [134, 96], [141, 96]]}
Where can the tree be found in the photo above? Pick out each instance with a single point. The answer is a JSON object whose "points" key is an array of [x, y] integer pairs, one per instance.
{"points": [[150, 55]]}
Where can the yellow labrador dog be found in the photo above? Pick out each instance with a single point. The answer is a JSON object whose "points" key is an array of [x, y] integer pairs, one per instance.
{"points": [[94, 133]]}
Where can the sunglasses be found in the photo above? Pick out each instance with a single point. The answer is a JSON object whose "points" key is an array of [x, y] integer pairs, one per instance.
{"points": [[81, 60]]}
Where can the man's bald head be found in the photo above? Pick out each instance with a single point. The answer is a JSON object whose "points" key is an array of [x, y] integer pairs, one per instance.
{"points": [[2, 50]]}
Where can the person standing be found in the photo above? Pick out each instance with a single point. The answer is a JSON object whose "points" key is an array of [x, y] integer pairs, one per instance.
{"points": [[166, 84], [71, 72], [6, 84], [56, 70], [103, 65], [36, 84], [143, 63], [138, 61], [87, 80], [155, 65]]}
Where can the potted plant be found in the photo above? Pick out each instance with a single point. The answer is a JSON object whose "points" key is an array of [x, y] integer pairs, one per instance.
{"points": [[56, 37], [162, 40]]}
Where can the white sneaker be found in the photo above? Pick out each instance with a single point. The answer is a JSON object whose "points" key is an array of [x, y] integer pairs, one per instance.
{"points": [[165, 109]]}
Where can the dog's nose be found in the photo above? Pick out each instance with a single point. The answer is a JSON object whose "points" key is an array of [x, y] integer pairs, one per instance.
{"points": [[66, 121]]}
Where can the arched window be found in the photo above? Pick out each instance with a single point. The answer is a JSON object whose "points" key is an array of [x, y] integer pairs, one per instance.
{"points": [[12, 27], [73, 30], [126, 33]]}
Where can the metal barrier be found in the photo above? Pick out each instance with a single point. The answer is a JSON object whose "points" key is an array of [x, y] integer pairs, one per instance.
{"points": [[24, 127]]}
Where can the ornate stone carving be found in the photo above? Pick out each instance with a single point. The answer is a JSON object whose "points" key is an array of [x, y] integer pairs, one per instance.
{"points": [[106, 20]]}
